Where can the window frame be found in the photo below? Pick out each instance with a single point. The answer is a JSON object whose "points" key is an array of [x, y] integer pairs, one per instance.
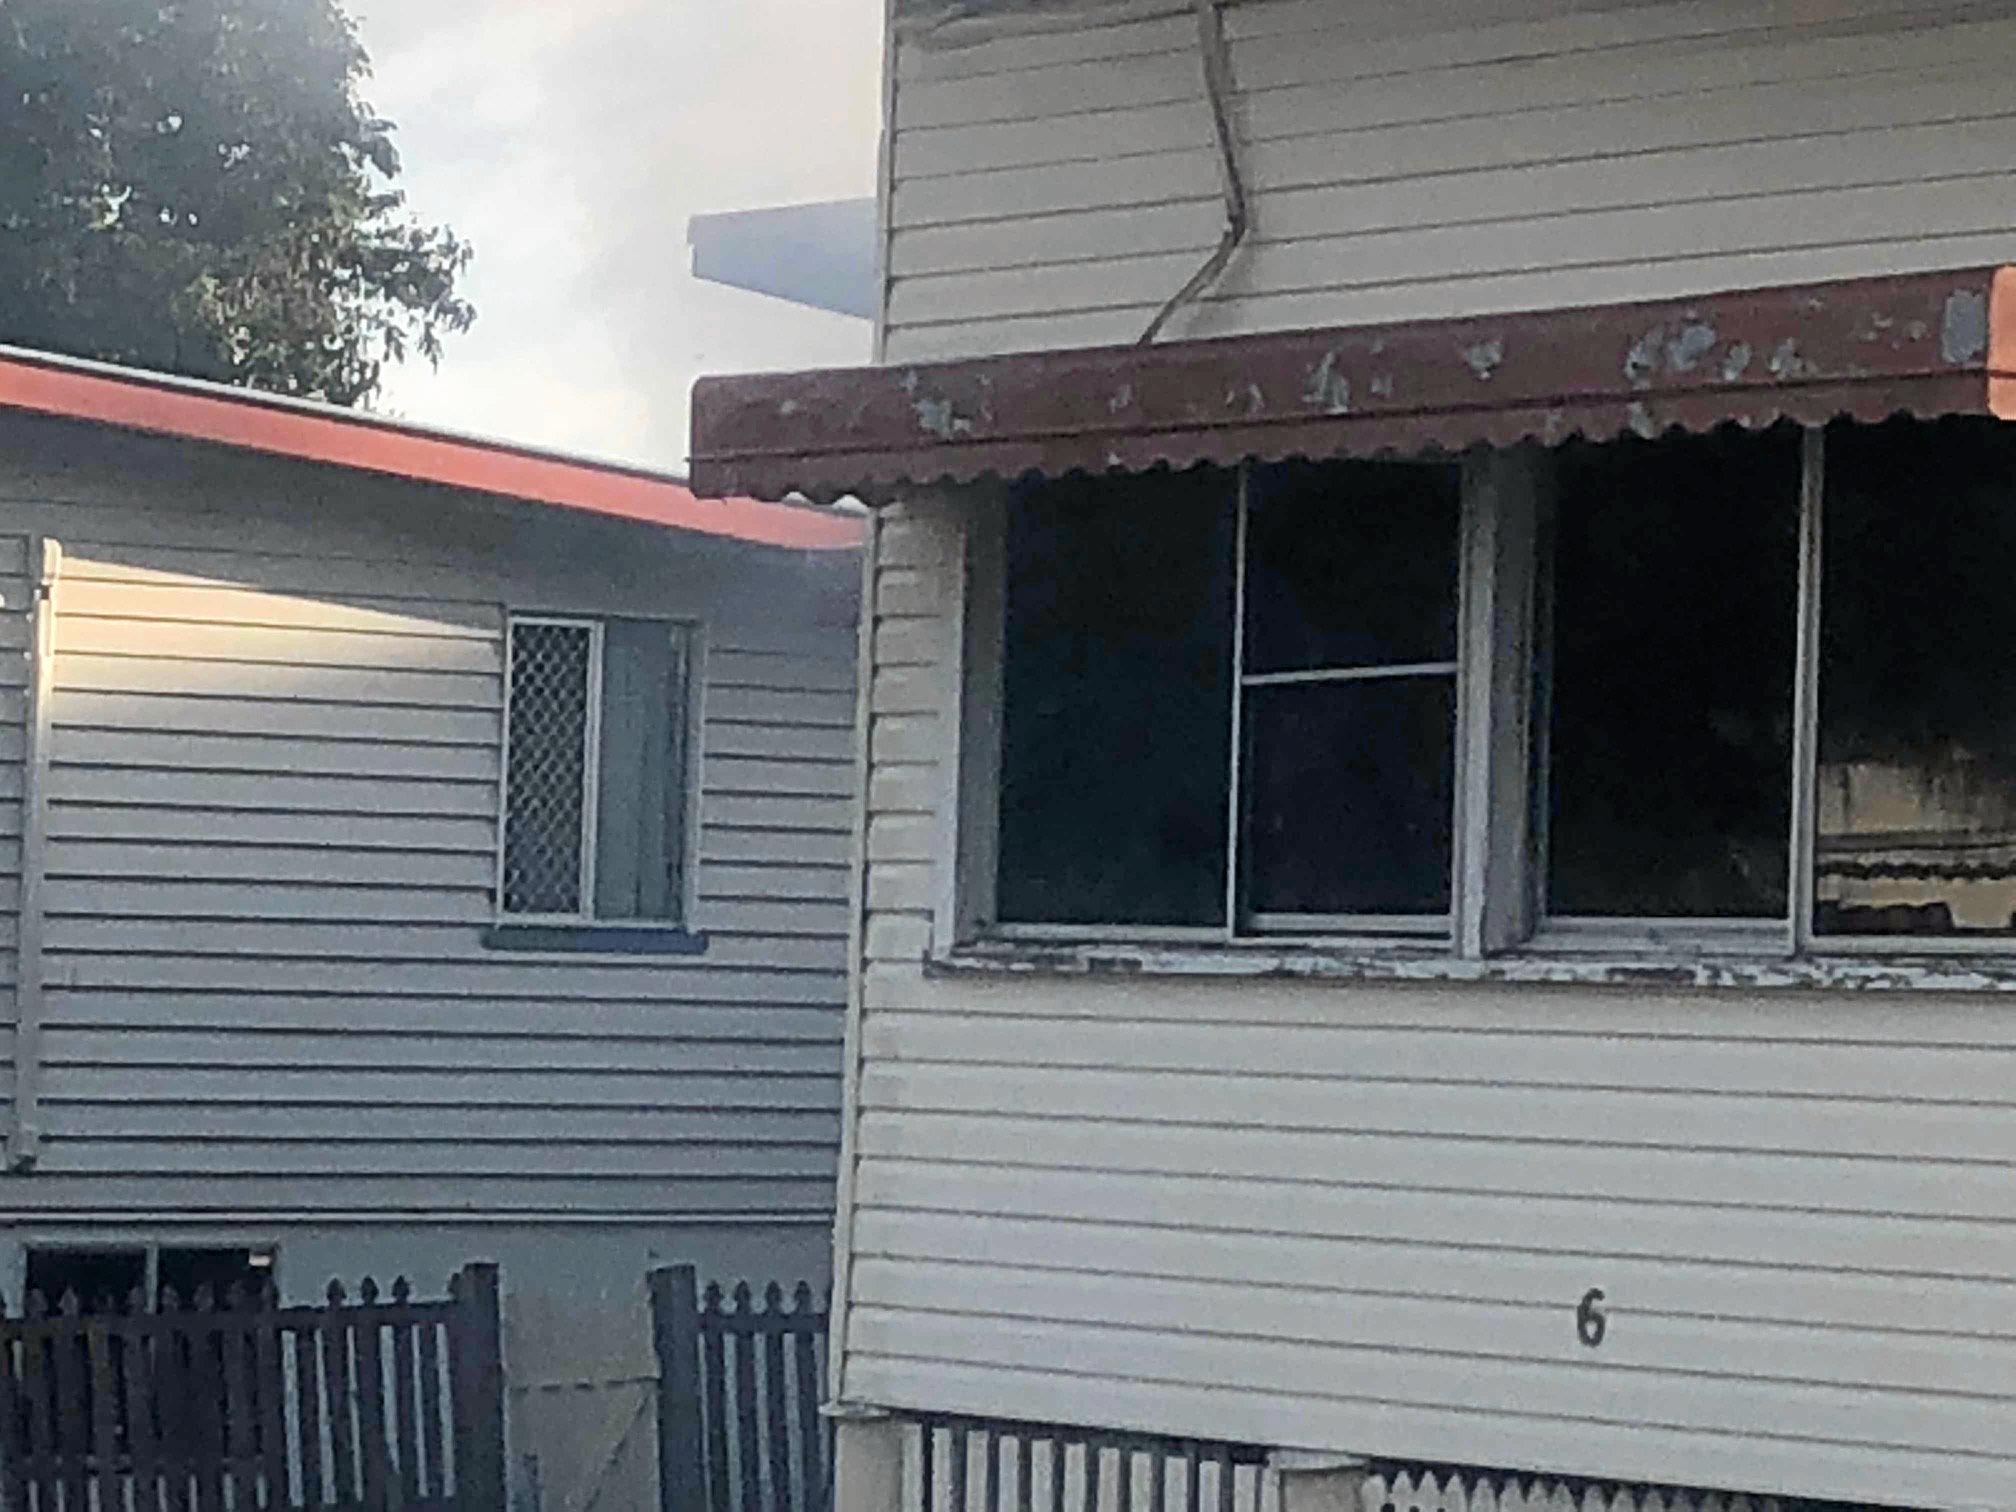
{"points": [[1499, 852], [1243, 923], [561, 930], [1570, 934], [967, 893]]}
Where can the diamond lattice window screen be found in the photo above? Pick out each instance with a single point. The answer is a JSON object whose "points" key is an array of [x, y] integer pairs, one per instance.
{"points": [[547, 798]]}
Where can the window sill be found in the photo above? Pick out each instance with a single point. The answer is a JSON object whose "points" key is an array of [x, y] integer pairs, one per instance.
{"points": [[1377, 963], [595, 939]]}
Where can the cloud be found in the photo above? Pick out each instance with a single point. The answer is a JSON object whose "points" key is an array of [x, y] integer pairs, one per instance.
{"points": [[570, 140]]}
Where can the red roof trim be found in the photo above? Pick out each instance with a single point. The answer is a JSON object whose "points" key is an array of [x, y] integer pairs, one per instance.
{"points": [[254, 422], [1926, 344]]}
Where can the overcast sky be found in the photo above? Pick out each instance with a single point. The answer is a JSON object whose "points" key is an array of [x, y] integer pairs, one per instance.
{"points": [[569, 140]]}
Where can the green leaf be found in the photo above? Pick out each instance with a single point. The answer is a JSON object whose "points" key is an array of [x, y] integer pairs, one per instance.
{"points": [[195, 185]]}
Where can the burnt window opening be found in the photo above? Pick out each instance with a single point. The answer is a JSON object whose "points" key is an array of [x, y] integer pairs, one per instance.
{"points": [[1558, 697], [1349, 692], [1916, 788], [1667, 677], [1115, 689], [1121, 698]]}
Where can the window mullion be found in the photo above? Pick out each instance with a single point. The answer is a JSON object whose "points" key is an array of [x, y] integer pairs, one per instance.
{"points": [[1806, 687], [1492, 893], [1471, 749], [682, 768], [1234, 755], [1349, 674]]}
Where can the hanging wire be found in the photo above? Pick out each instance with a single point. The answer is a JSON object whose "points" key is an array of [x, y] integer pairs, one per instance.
{"points": [[1217, 60]]}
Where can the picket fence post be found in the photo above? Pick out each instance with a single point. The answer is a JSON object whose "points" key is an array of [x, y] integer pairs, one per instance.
{"points": [[479, 1390], [675, 1335]]}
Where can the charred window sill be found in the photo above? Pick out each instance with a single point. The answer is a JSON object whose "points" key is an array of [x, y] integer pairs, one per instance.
{"points": [[1260, 961]]}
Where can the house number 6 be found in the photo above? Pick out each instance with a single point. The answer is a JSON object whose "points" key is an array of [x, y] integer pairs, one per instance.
{"points": [[1591, 1323]]}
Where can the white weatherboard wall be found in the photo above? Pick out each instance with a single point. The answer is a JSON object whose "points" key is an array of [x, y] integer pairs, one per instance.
{"points": [[1359, 1217], [1418, 158], [270, 1016]]}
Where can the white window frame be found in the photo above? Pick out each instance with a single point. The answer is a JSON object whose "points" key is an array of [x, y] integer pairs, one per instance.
{"points": [[691, 631], [1275, 925], [1498, 891], [967, 913], [591, 768], [1567, 934]]}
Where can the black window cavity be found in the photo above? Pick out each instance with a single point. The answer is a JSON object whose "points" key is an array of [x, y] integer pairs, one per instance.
{"points": [[1348, 706], [1666, 674], [1915, 797], [107, 1280], [1286, 635], [1116, 691], [596, 806], [103, 1282]]}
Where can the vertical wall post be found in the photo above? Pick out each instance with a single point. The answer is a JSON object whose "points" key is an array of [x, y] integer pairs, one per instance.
{"points": [[675, 1334], [868, 1462], [24, 1137], [857, 953], [1319, 1482], [479, 1390]]}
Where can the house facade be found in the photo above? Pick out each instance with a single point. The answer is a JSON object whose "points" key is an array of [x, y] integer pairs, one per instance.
{"points": [[1436, 867], [417, 851]]}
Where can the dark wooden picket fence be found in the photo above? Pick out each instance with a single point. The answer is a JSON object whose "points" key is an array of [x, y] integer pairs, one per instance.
{"points": [[238, 1404], [739, 1427]]}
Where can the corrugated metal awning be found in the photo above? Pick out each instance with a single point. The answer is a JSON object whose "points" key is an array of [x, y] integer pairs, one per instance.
{"points": [[1924, 344]]}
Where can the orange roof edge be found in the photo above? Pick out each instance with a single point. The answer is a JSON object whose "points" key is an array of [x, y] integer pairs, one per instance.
{"points": [[38, 383]]}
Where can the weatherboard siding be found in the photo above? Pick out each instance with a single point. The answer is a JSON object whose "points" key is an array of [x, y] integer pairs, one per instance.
{"points": [[272, 818], [1359, 1217], [1446, 157]]}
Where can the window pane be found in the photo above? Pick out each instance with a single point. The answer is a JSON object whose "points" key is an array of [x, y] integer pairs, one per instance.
{"points": [[641, 791], [547, 790], [1674, 616], [103, 1280], [1116, 722], [1349, 796], [1351, 564], [1917, 783], [187, 1271]]}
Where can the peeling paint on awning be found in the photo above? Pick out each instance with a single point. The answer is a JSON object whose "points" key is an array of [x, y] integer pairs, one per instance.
{"points": [[1920, 344]]}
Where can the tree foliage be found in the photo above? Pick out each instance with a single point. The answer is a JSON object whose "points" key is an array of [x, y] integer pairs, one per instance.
{"points": [[196, 186]]}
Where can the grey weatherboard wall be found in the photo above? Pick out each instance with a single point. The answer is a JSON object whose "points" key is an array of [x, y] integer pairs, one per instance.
{"points": [[270, 1014]]}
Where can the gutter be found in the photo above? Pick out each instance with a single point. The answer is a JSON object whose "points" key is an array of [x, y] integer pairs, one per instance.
{"points": [[24, 1134]]}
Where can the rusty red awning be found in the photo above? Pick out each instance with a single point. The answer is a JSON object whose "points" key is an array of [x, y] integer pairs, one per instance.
{"points": [[1925, 344]]}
